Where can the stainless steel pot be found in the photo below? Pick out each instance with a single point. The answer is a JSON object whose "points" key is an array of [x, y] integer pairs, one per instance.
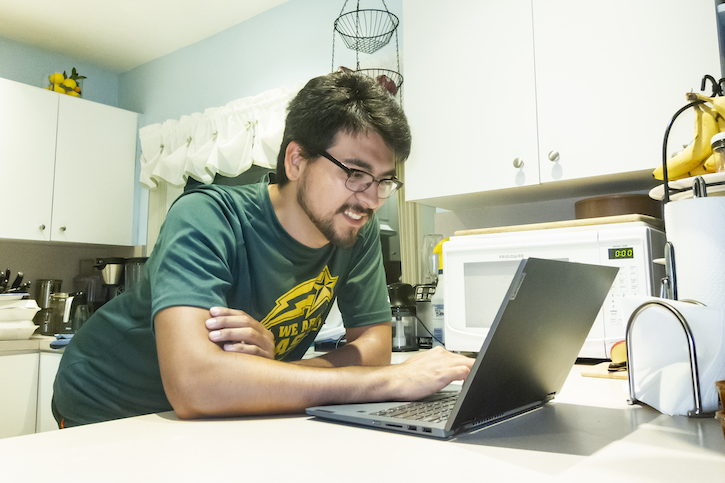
{"points": [[44, 289]]}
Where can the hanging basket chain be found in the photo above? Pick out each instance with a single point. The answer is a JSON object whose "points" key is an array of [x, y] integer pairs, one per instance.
{"points": [[377, 28]]}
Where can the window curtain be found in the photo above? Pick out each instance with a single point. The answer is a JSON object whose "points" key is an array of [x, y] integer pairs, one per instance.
{"points": [[224, 140]]}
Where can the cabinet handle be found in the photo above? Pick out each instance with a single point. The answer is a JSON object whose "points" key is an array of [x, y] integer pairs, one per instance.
{"points": [[62, 228], [518, 163], [553, 156], [41, 228]]}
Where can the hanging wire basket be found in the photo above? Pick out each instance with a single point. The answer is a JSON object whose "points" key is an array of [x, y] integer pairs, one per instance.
{"points": [[366, 30], [387, 78]]}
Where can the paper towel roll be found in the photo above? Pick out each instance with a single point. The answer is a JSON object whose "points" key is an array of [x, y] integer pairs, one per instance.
{"points": [[696, 228]]}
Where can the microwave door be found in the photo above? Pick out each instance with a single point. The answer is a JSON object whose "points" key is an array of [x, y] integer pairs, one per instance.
{"points": [[479, 269]]}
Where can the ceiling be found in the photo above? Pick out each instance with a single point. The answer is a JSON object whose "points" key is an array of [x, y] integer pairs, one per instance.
{"points": [[123, 34]]}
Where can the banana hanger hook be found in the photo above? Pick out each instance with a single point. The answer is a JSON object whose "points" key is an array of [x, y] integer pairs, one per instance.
{"points": [[717, 90], [717, 86], [666, 197]]}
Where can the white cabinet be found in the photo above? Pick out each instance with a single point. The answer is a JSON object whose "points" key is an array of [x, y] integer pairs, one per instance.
{"points": [[94, 173], [591, 85], [49, 362], [28, 125], [67, 166], [19, 376], [610, 76], [469, 96]]}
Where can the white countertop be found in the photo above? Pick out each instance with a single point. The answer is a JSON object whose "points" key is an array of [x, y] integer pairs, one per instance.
{"points": [[587, 434], [34, 344]]}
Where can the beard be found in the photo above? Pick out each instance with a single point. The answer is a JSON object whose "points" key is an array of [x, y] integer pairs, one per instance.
{"points": [[326, 225]]}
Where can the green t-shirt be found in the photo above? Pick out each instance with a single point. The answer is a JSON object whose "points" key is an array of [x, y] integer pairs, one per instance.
{"points": [[219, 246]]}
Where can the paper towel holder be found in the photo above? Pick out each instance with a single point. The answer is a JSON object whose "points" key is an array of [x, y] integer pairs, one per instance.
{"points": [[698, 412], [669, 282]]}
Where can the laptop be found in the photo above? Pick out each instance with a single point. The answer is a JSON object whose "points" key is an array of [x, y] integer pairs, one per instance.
{"points": [[533, 343]]}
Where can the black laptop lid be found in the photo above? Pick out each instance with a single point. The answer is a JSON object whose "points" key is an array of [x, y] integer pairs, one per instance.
{"points": [[534, 340]]}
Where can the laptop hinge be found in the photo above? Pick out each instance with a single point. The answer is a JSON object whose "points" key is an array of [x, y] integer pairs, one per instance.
{"points": [[501, 417]]}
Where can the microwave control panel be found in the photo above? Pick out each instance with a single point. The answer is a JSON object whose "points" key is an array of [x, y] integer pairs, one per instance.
{"points": [[638, 275]]}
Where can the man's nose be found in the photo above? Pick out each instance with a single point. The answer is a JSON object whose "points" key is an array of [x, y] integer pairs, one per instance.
{"points": [[369, 197]]}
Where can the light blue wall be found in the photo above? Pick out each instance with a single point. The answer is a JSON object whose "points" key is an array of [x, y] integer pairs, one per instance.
{"points": [[281, 47], [30, 65], [284, 46]]}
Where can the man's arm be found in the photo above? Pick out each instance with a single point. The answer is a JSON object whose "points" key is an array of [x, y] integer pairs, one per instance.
{"points": [[201, 379], [366, 346], [235, 331]]}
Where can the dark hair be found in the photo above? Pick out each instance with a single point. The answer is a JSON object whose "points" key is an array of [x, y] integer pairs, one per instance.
{"points": [[347, 102]]}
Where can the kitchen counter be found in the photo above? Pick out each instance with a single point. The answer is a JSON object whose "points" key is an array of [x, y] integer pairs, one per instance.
{"points": [[588, 433], [34, 344]]}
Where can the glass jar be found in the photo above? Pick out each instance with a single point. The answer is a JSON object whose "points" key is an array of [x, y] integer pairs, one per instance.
{"points": [[60, 306]]}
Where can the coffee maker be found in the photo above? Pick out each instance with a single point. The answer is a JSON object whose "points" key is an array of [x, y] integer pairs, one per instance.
{"points": [[402, 306], [112, 274]]}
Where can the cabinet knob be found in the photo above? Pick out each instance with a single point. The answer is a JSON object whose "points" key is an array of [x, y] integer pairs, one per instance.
{"points": [[62, 228], [41, 228], [553, 156], [518, 163]]}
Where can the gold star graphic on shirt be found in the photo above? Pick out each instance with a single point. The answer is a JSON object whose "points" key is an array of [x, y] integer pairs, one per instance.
{"points": [[324, 287], [302, 300]]}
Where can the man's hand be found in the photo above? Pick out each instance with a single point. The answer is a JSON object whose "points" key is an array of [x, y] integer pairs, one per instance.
{"points": [[428, 372], [235, 331]]}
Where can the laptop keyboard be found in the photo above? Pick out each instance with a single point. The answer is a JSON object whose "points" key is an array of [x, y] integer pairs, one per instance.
{"points": [[434, 409]]}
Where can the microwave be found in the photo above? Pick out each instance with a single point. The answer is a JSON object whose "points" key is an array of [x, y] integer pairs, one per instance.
{"points": [[478, 269]]}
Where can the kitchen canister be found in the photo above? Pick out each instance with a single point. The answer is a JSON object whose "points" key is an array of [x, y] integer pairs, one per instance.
{"points": [[696, 229], [44, 289]]}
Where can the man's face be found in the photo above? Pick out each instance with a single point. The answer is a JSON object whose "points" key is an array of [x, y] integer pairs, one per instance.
{"points": [[338, 213]]}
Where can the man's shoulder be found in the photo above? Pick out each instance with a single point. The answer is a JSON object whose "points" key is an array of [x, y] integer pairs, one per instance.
{"points": [[244, 198], [242, 193]]}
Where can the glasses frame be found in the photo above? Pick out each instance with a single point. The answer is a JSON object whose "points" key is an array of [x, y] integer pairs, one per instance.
{"points": [[350, 171]]}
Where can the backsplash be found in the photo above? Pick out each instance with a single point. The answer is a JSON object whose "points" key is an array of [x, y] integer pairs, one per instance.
{"points": [[51, 260]]}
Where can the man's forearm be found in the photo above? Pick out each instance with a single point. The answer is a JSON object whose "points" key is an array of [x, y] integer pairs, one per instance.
{"points": [[366, 346], [345, 356]]}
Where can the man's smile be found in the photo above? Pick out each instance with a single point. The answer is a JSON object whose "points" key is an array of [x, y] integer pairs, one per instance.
{"points": [[356, 213]]}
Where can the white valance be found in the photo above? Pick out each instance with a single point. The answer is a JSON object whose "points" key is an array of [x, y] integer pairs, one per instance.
{"points": [[226, 140]]}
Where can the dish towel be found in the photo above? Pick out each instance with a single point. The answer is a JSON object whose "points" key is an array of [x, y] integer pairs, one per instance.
{"points": [[61, 340]]}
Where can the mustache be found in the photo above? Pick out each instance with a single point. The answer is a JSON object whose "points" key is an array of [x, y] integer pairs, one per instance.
{"points": [[358, 209]]}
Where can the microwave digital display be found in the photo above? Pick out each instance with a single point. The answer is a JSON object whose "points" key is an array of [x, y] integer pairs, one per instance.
{"points": [[620, 253]]}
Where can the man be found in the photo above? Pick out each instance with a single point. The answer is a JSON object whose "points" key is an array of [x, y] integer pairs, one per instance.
{"points": [[242, 278]]}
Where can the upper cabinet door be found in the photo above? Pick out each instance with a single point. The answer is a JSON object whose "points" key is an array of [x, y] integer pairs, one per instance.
{"points": [[28, 121], [610, 76], [95, 164], [469, 93]]}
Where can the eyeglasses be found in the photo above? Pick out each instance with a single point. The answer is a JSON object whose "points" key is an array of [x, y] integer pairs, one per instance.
{"points": [[358, 181]]}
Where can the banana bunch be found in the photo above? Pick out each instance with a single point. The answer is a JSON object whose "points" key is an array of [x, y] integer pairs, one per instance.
{"points": [[697, 158]]}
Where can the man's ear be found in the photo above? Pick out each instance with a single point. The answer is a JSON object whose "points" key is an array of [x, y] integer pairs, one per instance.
{"points": [[294, 162]]}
